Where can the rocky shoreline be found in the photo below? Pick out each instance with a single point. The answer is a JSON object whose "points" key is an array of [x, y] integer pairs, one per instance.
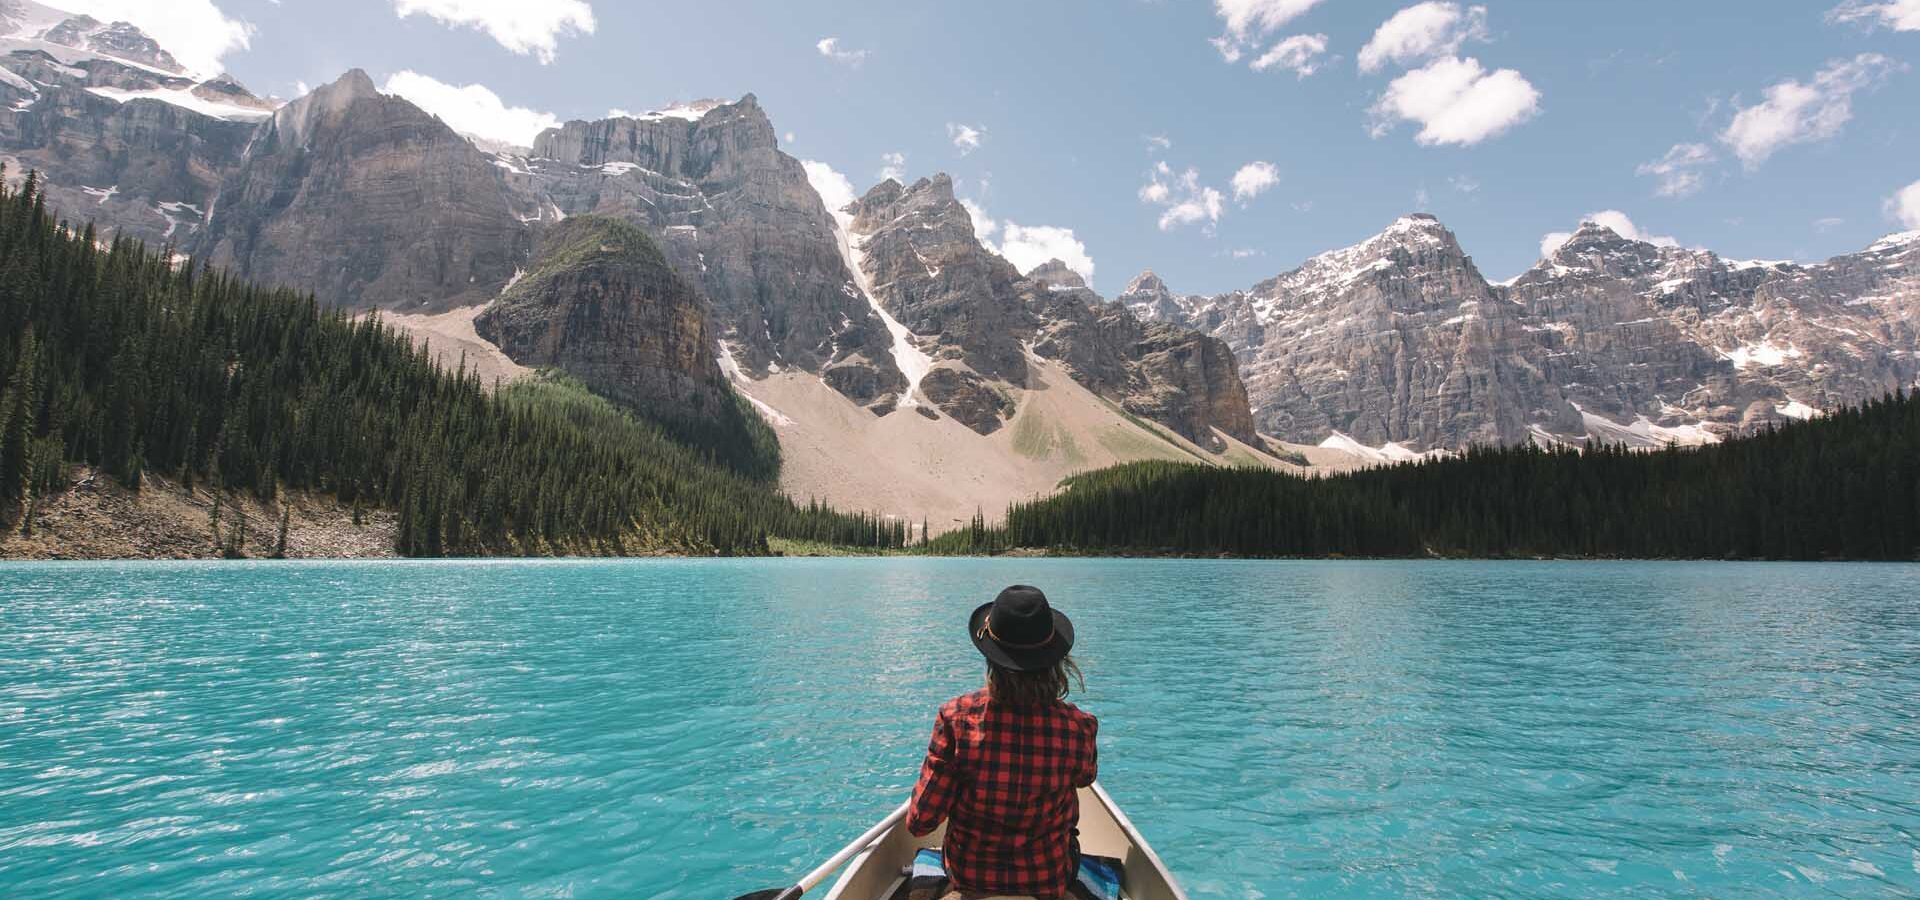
{"points": [[98, 519]]}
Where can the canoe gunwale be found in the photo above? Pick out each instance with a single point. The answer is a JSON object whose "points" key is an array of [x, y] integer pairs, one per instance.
{"points": [[894, 849], [1139, 841]]}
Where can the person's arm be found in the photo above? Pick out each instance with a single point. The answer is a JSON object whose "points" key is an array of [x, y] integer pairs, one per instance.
{"points": [[1089, 767], [939, 781]]}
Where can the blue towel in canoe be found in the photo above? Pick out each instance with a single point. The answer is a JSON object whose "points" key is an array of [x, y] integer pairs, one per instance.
{"points": [[1098, 878]]}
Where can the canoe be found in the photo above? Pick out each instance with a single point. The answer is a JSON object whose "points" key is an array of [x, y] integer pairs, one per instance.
{"points": [[879, 871]]}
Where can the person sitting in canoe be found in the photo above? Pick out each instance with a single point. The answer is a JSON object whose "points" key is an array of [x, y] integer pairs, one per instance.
{"points": [[1005, 762]]}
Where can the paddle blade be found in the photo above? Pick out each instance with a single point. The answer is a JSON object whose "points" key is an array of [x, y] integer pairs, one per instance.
{"points": [[792, 893]]}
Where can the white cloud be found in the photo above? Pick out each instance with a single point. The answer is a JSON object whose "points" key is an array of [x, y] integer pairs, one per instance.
{"points": [[788, 137], [1246, 253], [520, 26], [966, 138], [471, 109], [1245, 18], [1422, 200], [1253, 179], [1423, 31], [1029, 246], [983, 225], [1612, 219], [1249, 20], [1796, 113], [894, 166], [1158, 142], [1905, 206], [196, 32], [1456, 101], [835, 190], [1465, 184], [830, 48], [1828, 224], [1187, 201], [1679, 171], [1299, 54], [1899, 15]]}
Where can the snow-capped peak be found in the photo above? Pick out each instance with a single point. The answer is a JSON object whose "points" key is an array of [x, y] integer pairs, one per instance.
{"points": [[72, 38], [1416, 222], [1895, 241], [688, 112], [1338, 269], [1414, 231], [1146, 283]]}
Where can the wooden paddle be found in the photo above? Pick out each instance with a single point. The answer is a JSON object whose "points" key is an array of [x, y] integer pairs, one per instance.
{"points": [[820, 874]]}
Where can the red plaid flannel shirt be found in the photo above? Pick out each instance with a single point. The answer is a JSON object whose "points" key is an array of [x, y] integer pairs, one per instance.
{"points": [[1005, 780]]}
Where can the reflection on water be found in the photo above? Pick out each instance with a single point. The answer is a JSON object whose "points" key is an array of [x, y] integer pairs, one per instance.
{"points": [[693, 728]]}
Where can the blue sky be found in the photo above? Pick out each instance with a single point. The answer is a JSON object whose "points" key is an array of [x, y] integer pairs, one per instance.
{"points": [[1757, 128]]}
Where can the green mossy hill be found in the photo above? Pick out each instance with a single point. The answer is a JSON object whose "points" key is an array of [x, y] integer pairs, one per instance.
{"points": [[601, 303], [1843, 486], [119, 358], [588, 240]]}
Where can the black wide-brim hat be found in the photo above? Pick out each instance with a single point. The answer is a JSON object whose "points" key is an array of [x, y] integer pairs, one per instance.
{"points": [[1020, 631]]}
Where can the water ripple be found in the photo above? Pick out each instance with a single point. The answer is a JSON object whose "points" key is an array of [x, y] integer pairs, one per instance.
{"points": [[685, 729]]}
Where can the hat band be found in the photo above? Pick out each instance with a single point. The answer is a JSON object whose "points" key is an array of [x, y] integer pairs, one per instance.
{"points": [[986, 631]]}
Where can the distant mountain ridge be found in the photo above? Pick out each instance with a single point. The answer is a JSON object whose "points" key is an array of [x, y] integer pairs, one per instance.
{"points": [[1401, 342], [370, 202], [1385, 350]]}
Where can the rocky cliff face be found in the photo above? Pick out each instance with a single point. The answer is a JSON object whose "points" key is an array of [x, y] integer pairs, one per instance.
{"points": [[120, 134], [1736, 345], [367, 201], [736, 217], [116, 39], [978, 317], [1396, 340], [1399, 340], [1161, 371], [601, 303], [924, 260]]}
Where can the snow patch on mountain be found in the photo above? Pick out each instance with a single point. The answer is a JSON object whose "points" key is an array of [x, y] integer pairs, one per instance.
{"points": [[74, 39], [836, 195], [1761, 353], [686, 112], [1642, 433], [1895, 241], [730, 366], [1385, 454], [185, 98], [1794, 409]]}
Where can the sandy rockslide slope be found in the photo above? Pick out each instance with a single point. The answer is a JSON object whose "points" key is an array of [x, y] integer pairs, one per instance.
{"points": [[938, 470], [918, 468], [450, 335]]}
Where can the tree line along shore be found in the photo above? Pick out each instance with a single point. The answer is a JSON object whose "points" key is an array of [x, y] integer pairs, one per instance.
{"points": [[125, 363]]}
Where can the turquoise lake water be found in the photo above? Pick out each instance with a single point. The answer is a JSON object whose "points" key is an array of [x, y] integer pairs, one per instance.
{"points": [[694, 729]]}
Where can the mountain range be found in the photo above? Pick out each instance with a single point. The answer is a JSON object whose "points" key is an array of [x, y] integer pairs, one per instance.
{"points": [[664, 258], [1400, 344]]}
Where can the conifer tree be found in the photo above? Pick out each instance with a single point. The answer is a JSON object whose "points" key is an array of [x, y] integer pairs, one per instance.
{"points": [[119, 359]]}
